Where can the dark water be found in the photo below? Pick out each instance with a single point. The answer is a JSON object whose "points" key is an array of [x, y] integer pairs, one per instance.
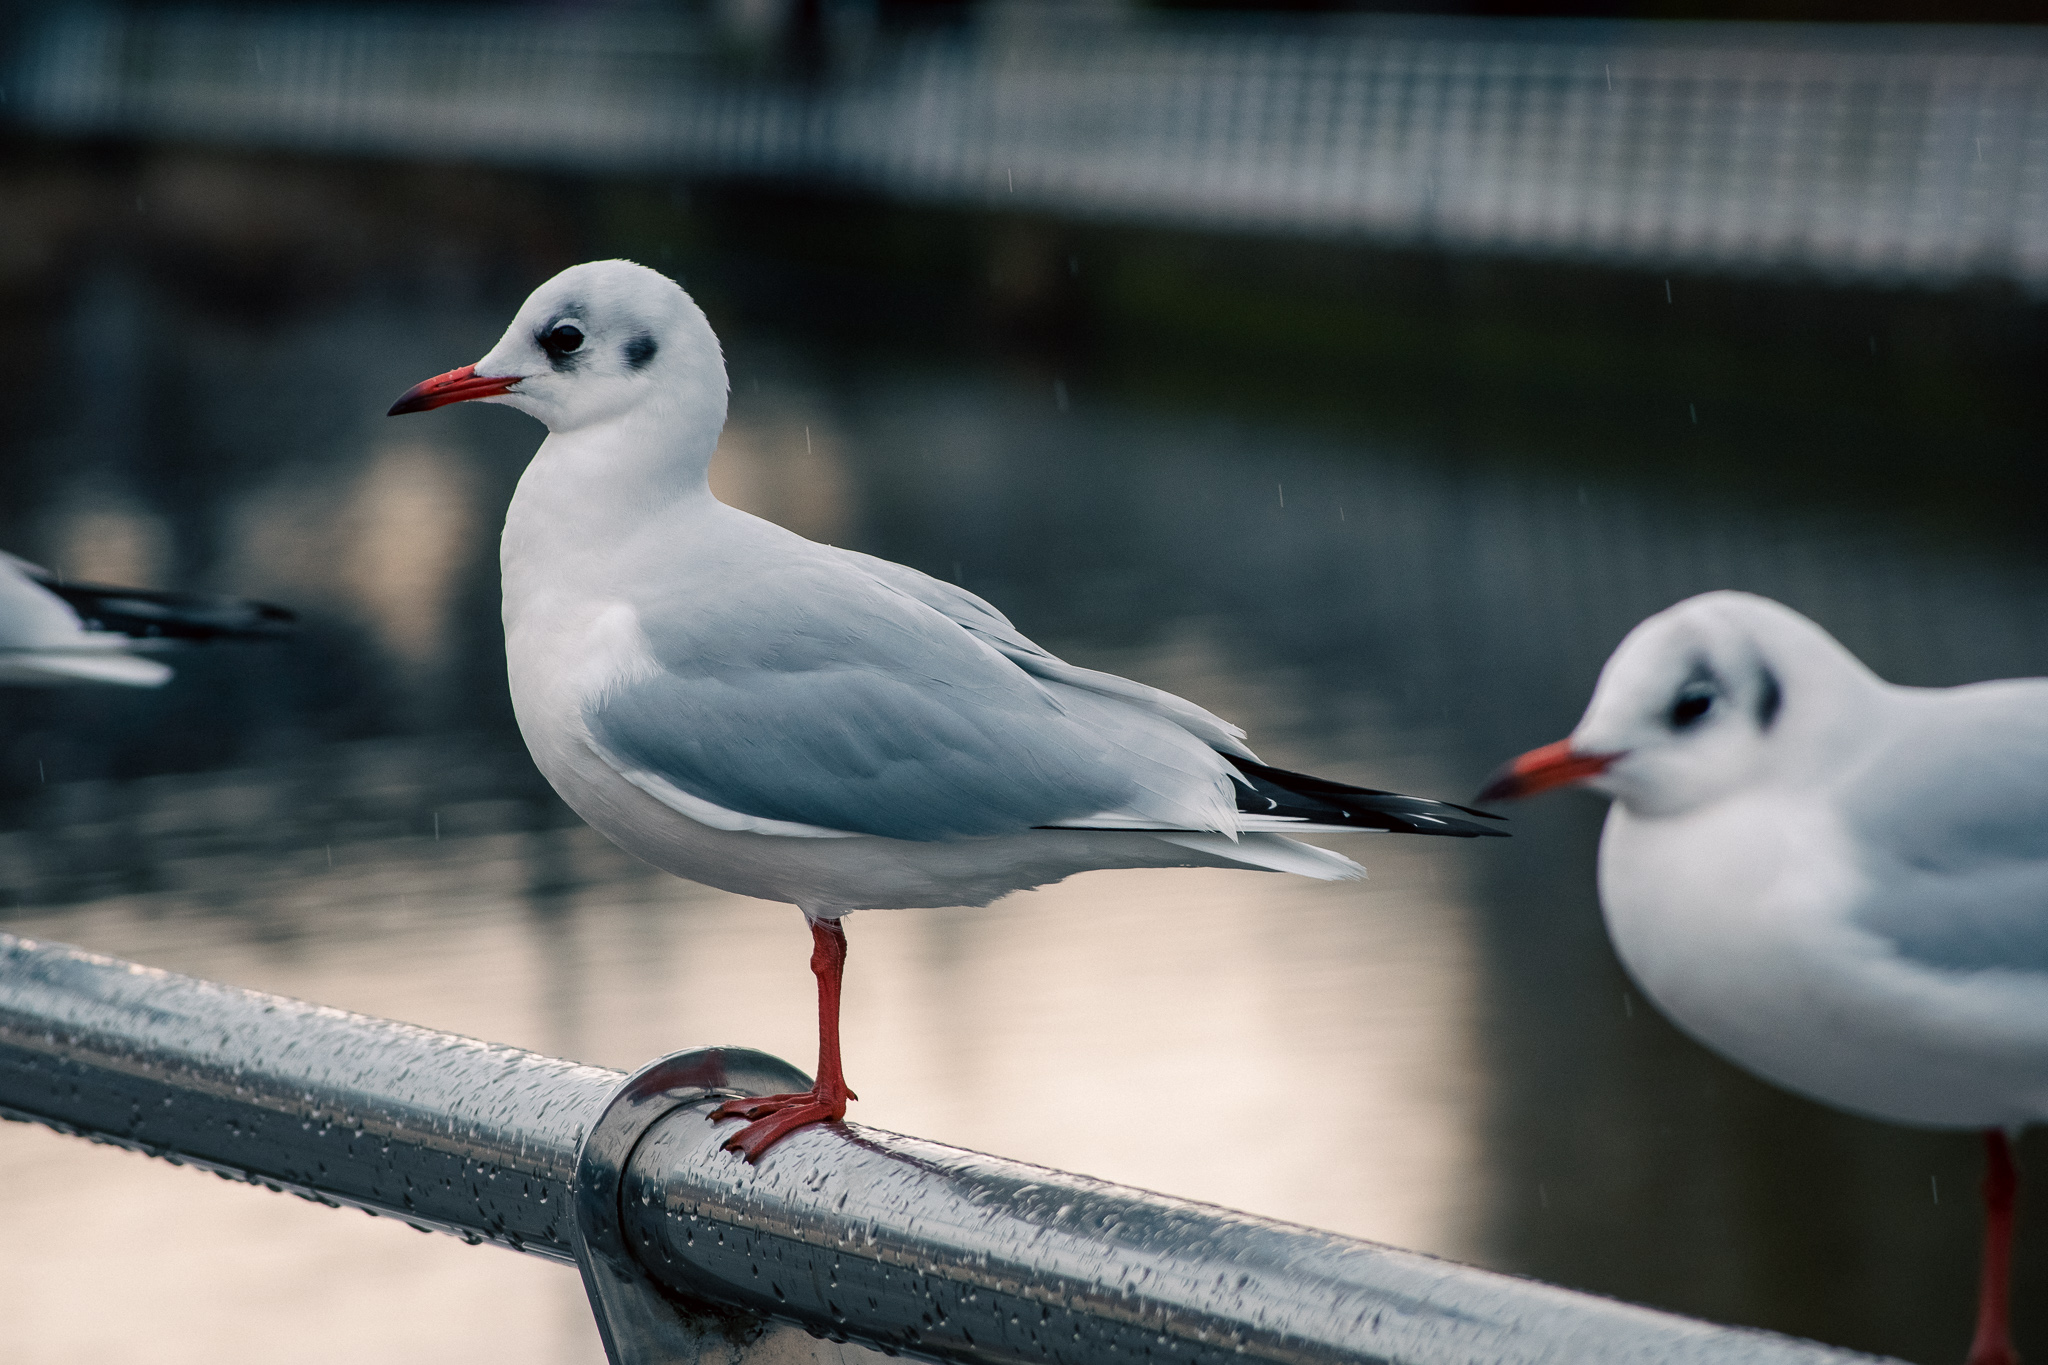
{"points": [[1445, 1056]]}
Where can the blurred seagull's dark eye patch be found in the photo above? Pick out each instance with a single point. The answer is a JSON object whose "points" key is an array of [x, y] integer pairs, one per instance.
{"points": [[1694, 700]]}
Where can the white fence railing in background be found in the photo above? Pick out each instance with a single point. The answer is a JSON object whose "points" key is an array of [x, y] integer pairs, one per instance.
{"points": [[1913, 154]]}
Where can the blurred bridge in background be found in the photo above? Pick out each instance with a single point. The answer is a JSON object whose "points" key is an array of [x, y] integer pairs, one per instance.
{"points": [[1882, 154]]}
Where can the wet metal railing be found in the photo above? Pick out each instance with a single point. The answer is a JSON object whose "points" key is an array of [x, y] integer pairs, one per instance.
{"points": [[844, 1238]]}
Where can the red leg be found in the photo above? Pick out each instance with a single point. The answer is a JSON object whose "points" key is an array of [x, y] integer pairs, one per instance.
{"points": [[1993, 1342], [777, 1116]]}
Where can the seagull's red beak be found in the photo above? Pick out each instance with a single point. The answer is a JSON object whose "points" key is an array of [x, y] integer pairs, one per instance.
{"points": [[456, 386], [1539, 770]]}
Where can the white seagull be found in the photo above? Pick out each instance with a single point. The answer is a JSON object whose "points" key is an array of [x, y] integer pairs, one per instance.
{"points": [[53, 632], [1835, 882], [744, 707]]}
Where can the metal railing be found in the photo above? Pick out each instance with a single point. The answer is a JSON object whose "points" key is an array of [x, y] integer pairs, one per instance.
{"points": [[1906, 153], [844, 1233]]}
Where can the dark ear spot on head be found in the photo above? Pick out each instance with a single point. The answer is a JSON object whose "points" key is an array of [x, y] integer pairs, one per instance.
{"points": [[1770, 697], [640, 350]]}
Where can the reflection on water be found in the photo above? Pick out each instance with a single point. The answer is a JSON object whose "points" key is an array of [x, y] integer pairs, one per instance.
{"points": [[1443, 1057]]}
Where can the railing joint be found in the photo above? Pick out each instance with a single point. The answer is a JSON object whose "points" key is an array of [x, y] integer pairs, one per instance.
{"points": [[641, 1321]]}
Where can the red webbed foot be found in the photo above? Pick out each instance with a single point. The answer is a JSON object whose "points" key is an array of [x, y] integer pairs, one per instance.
{"points": [[775, 1117]]}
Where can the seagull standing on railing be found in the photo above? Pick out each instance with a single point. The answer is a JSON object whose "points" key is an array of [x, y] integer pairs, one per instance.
{"points": [[1835, 882], [53, 632], [746, 708]]}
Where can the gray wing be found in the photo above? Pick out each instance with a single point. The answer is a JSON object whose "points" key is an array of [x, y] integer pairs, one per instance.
{"points": [[815, 694], [991, 626], [1954, 814]]}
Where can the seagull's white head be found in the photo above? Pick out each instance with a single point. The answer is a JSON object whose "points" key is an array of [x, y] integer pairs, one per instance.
{"points": [[1715, 695], [595, 343]]}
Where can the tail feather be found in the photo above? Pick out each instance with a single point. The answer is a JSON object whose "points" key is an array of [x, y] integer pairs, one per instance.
{"points": [[1272, 852], [47, 666]]}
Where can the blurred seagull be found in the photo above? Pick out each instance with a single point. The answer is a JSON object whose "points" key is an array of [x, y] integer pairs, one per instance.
{"points": [[783, 719], [53, 632], [1835, 882]]}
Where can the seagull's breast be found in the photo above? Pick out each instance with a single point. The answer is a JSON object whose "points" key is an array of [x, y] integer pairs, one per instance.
{"points": [[564, 653], [1687, 918], [559, 653], [1746, 924]]}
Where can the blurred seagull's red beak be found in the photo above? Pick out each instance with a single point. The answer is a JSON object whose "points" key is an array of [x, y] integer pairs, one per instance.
{"points": [[456, 386], [1539, 770]]}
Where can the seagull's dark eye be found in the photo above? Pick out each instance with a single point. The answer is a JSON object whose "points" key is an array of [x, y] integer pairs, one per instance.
{"points": [[563, 338], [1695, 699]]}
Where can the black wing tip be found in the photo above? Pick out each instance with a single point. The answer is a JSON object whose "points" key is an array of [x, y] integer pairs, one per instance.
{"points": [[1366, 807], [1456, 829], [150, 614]]}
